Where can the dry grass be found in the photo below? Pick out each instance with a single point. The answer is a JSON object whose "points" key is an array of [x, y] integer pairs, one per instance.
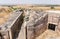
{"points": [[4, 15]]}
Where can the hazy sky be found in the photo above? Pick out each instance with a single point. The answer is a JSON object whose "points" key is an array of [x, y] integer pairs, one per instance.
{"points": [[29, 2]]}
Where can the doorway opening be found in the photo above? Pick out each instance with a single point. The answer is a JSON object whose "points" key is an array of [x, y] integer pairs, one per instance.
{"points": [[51, 26]]}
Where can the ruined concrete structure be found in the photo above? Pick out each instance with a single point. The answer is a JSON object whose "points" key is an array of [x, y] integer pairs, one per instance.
{"points": [[36, 22], [11, 28], [54, 18], [30, 25]]}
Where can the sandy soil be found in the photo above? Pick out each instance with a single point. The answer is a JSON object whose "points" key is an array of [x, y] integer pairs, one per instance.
{"points": [[49, 34]]}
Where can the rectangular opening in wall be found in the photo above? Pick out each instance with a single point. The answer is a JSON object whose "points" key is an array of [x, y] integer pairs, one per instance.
{"points": [[51, 26]]}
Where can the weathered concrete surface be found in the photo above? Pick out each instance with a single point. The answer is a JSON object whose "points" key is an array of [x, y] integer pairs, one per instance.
{"points": [[37, 24], [53, 18]]}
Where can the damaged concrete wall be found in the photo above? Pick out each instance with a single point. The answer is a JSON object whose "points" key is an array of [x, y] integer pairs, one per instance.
{"points": [[37, 24], [15, 29], [41, 25], [53, 18]]}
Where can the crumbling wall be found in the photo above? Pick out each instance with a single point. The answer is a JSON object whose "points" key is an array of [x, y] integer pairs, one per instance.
{"points": [[41, 25], [37, 24]]}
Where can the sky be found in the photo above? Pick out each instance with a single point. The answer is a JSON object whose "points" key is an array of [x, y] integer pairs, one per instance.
{"points": [[15, 2]]}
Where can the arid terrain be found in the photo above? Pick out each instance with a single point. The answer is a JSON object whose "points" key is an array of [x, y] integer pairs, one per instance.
{"points": [[49, 34]]}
